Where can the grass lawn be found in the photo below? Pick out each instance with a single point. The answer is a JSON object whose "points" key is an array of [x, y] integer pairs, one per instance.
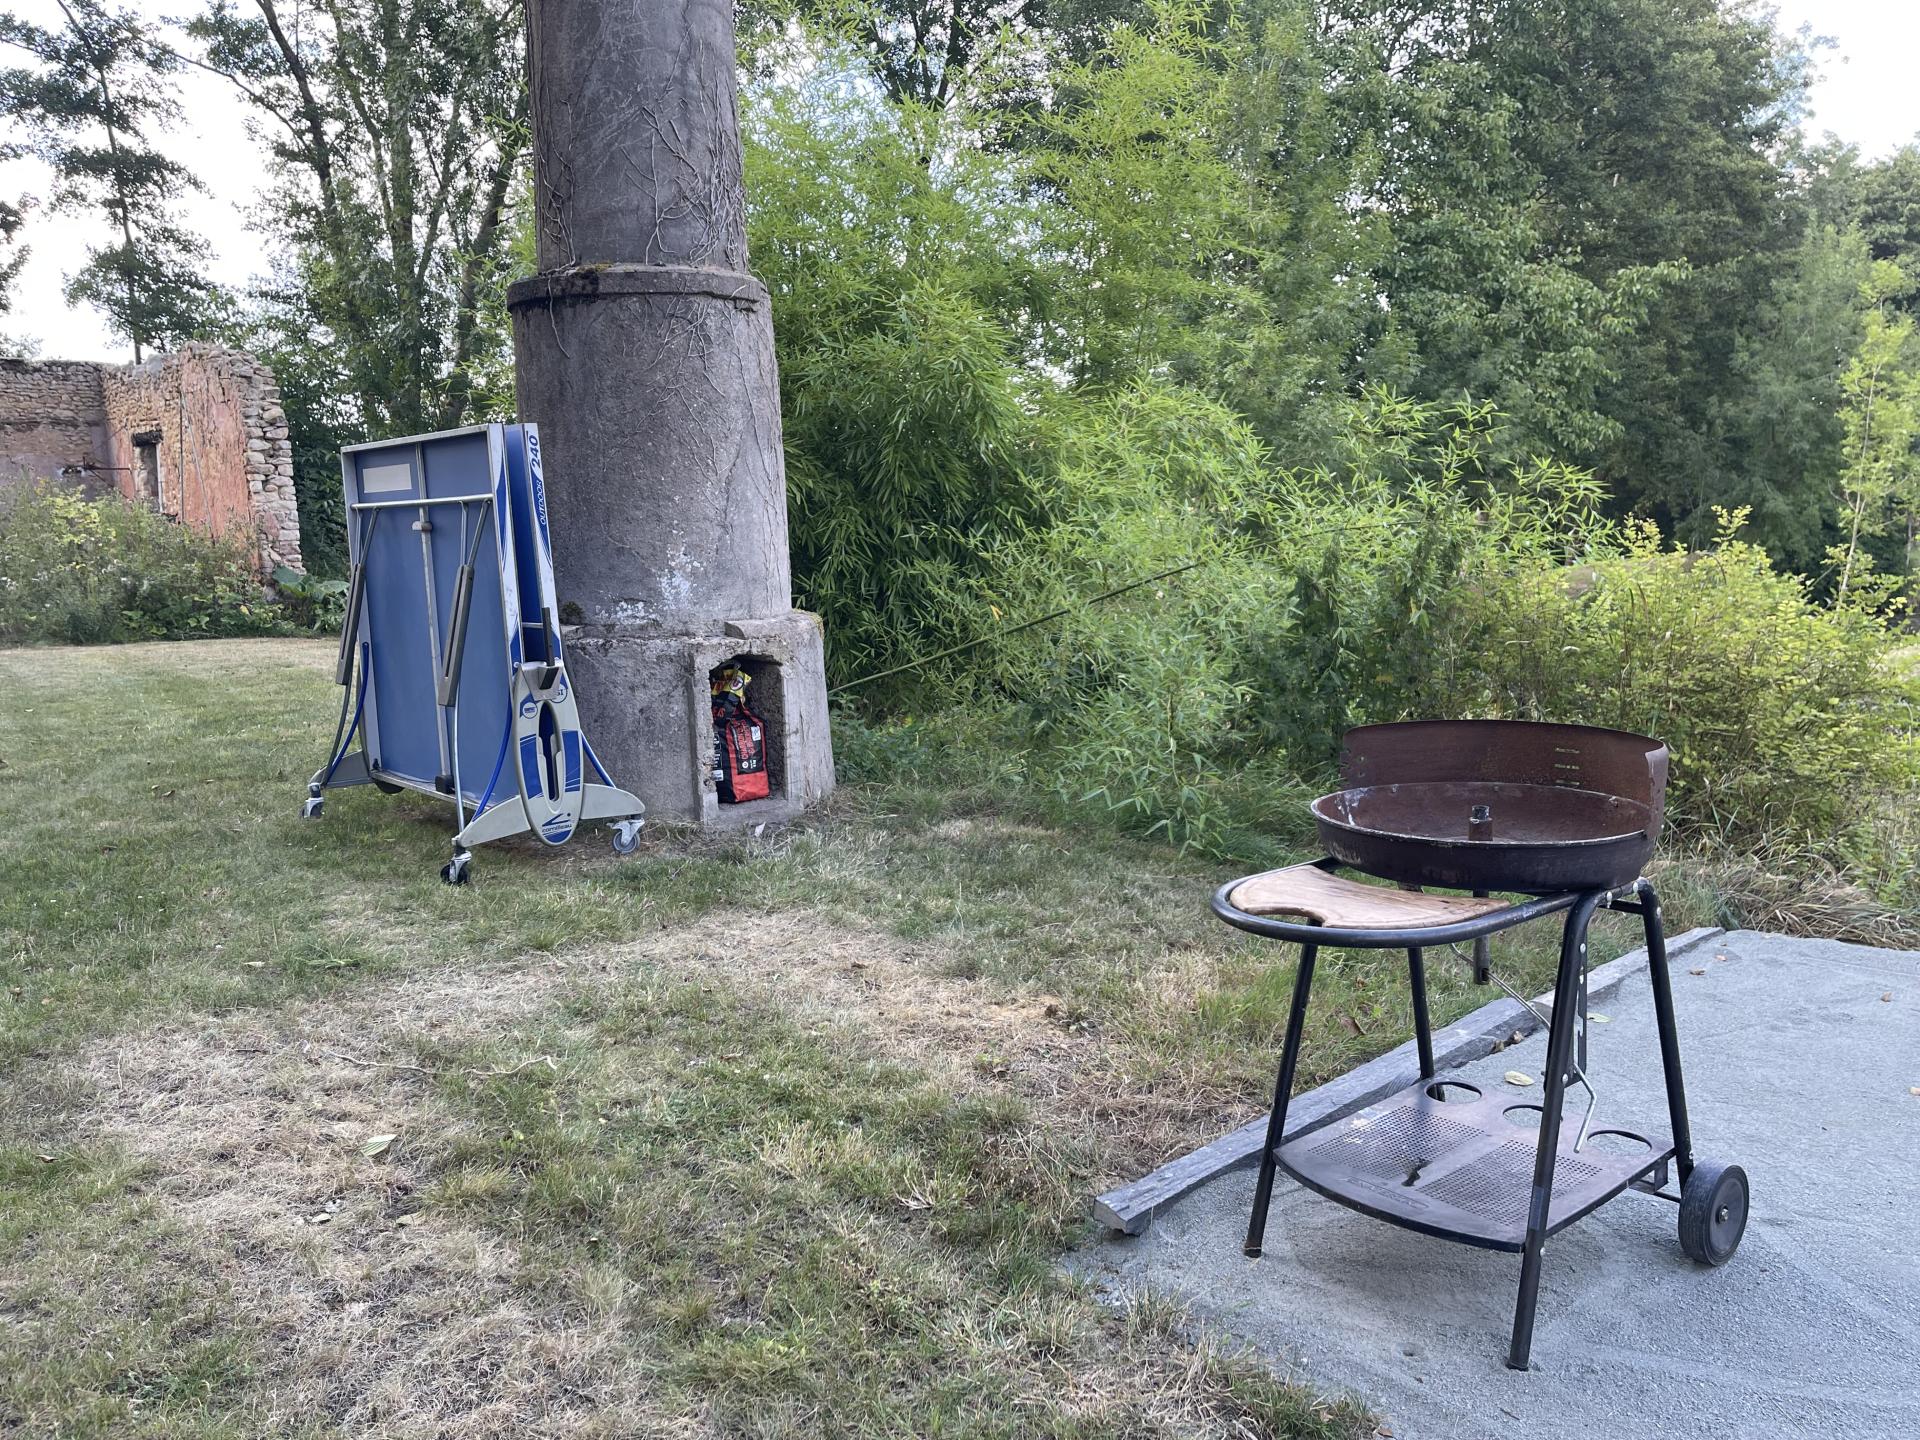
{"points": [[776, 1135]]}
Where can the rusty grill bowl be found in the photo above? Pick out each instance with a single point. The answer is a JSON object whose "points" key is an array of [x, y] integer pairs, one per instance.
{"points": [[1566, 807]]}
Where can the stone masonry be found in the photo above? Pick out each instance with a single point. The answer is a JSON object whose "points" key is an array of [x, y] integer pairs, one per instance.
{"points": [[199, 434]]}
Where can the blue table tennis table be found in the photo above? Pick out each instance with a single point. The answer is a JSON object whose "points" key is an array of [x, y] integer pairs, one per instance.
{"points": [[454, 682]]}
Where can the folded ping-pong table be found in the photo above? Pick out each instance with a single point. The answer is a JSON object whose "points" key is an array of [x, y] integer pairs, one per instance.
{"points": [[451, 663]]}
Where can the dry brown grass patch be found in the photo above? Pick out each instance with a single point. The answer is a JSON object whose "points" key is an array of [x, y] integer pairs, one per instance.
{"points": [[392, 1321], [378, 1318], [973, 1035]]}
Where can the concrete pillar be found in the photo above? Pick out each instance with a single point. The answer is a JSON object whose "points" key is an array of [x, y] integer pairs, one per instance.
{"points": [[644, 351]]}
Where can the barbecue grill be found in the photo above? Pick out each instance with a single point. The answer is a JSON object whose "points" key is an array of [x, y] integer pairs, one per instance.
{"points": [[1564, 817]]}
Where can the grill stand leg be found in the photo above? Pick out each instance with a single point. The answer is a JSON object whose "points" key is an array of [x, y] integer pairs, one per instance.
{"points": [[1656, 932], [1573, 959], [1282, 1093], [1422, 1027]]}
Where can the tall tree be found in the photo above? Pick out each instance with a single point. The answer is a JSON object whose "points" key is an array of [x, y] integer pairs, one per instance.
{"points": [[1889, 205], [1588, 203], [90, 104], [1200, 174], [1881, 417], [398, 130], [13, 255], [1782, 417]]}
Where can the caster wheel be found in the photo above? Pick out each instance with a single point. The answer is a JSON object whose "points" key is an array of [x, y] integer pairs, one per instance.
{"points": [[311, 808], [1713, 1212], [454, 872], [626, 839]]}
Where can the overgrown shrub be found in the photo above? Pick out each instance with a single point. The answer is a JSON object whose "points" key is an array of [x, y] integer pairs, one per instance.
{"points": [[1422, 575], [1791, 722], [311, 602], [79, 571], [1200, 705]]}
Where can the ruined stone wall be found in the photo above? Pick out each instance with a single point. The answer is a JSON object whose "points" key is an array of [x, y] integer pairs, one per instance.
{"points": [[219, 445], [52, 418]]}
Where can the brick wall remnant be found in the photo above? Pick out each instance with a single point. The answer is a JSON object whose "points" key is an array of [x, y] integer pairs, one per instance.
{"points": [[216, 438], [52, 419], [199, 434]]}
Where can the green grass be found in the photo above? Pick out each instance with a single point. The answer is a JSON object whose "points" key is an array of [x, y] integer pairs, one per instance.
{"points": [[98, 1336], [798, 1222]]}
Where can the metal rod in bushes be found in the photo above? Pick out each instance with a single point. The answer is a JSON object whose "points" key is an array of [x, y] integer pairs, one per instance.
{"points": [[1087, 604]]}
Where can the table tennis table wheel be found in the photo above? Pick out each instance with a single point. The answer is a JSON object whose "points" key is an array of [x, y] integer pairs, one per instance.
{"points": [[311, 807], [454, 872], [626, 836]]}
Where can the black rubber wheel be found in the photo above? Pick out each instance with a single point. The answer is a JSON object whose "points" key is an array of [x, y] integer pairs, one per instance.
{"points": [[1713, 1212], [387, 787], [625, 847], [454, 872], [310, 809]]}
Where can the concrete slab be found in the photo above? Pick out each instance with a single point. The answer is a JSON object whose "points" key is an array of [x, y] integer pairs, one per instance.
{"points": [[1796, 1068]]}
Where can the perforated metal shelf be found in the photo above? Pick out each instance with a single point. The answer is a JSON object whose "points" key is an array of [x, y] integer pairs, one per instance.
{"points": [[1462, 1168]]}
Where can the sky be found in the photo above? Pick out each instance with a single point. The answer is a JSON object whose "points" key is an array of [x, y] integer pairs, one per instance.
{"points": [[1866, 94]]}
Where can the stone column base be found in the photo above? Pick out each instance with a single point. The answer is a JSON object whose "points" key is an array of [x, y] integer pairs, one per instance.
{"points": [[644, 698]]}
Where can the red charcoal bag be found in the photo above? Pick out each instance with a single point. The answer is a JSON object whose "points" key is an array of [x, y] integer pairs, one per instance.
{"points": [[743, 757]]}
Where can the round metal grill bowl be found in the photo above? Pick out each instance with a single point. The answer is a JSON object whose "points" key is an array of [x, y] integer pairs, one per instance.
{"points": [[1568, 807]]}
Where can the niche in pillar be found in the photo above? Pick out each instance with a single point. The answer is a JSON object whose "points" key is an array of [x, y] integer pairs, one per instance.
{"points": [[766, 699]]}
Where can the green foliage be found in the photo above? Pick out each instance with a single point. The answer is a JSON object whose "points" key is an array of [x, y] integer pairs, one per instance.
{"points": [[1139, 705], [1588, 206], [1880, 417], [1133, 133], [398, 133], [13, 255], [909, 430], [1307, 601], [1887, 205], [1788, 719], [311, 602], [1426, 574], [77, 571], [284, 328], [1783, 420]]}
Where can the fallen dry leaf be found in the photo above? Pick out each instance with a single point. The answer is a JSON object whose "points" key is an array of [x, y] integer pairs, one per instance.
{"points": [[1886, 997], [1696, 972], [1515, 1077], [1350, 1025], [1600, 1019], [377, 1145]]}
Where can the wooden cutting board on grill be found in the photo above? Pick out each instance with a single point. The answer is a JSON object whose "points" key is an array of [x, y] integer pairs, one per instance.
{"points": [[1329, 899]]}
